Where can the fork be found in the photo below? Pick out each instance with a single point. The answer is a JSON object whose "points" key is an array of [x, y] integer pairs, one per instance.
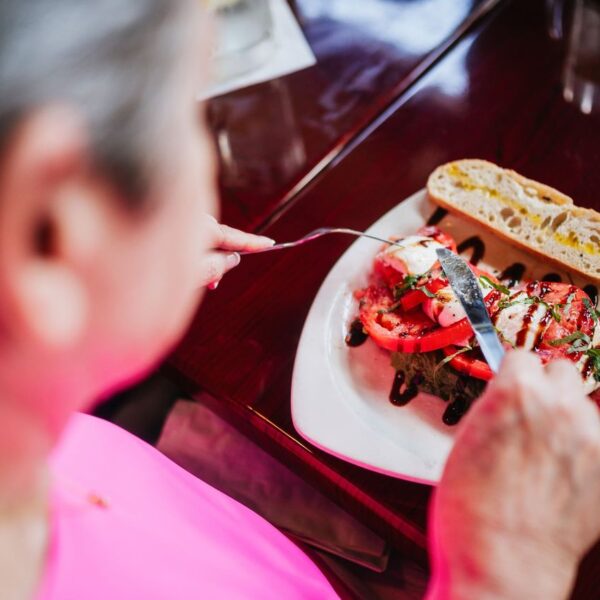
{"points": [[317, 233]]}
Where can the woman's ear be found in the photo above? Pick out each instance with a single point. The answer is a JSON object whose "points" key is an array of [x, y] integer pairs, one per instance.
{"points": [[50, 229]]}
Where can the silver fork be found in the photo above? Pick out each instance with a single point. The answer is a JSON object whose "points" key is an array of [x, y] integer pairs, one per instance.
{"points": [[317, 233]]}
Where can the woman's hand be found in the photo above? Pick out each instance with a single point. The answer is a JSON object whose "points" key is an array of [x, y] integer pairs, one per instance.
{"points": [[518, 504], [223, 255]]}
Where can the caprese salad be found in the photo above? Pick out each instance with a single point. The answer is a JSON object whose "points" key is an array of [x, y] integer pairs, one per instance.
{"points": [[410, 309]]}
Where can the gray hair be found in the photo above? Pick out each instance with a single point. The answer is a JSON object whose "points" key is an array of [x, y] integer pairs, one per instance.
{"points": [[111, 59]]}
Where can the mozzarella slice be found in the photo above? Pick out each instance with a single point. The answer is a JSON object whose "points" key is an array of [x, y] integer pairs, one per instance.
{"points": [[446, 308], [512, 319], [414, 255]]}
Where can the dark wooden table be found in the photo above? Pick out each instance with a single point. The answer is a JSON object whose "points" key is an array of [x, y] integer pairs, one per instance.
{"points": [[496, 93], [278, 136]]}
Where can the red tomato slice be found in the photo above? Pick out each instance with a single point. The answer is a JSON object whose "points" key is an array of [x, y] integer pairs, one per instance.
{"points": [[433, 231], [568, 304], [414, 298], [467, 363], [388, 274], [401, 331]]}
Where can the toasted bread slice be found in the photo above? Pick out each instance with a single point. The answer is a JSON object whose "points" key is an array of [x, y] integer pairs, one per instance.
{"points": [[529, 214]]}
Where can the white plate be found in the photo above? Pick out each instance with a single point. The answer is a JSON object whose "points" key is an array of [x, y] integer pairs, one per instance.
{"points": [[340, 394]]}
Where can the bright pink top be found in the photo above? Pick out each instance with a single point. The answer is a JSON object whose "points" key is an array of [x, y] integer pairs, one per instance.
{"points": [[130, 524]]}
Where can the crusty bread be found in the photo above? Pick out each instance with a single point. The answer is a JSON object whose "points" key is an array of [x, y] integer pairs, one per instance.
{"points": [[526, 213]]}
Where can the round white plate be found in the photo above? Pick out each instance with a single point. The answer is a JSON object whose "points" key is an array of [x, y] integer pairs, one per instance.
{"points": [[340, 394]]}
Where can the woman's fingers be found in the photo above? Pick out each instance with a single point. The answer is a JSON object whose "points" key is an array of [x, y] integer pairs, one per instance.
{"points": [[229, 238], [564, 371], [215, 264], [226, 243], [518, 372]]}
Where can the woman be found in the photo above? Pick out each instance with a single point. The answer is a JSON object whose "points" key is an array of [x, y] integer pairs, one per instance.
{"points": [[106, 192]]}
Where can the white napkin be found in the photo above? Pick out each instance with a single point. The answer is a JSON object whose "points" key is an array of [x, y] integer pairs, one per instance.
{"points": [[207, 446], [292, 53]]}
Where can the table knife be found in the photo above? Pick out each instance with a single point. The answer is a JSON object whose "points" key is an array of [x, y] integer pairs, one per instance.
{"points": [[466, 288]]}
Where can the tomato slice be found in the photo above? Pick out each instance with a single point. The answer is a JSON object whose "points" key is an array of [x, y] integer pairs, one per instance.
{"points": [[571, 305], [570, 313], [433, 231], [405, 331], [389, 275], [414, 298], [468, 363]]}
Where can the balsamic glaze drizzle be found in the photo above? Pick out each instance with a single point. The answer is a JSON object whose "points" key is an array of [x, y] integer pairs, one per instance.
{"points": [[513, 273], [552, 277], [528, 317], [477, 246], [402, 393], [592, 292], [395, 394], [437, 216], [399, 397], [356, 334], [456, 410]]}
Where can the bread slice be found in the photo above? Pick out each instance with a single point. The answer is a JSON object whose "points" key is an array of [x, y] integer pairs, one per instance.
{"points": [[529, 214]]}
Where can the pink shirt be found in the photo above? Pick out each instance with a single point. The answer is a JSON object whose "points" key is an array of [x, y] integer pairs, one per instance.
{"points": [[127, 523]]}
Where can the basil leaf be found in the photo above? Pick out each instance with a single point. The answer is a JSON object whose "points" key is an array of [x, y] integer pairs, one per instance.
{"points": [[594, 354], [569, 301], [592, 310], [573, 337], [428, 293], [555, 313], [508, 303], [450, 357], [409, 283], [532, 300], [497, 286]]}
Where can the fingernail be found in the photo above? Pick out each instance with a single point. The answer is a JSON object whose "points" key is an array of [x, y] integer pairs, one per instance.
{"points": [[269, 240], [213, 286], [233, 260]]}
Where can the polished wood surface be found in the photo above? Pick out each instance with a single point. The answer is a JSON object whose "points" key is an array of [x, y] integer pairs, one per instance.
{"points": [[497, 94], [277, 136]]}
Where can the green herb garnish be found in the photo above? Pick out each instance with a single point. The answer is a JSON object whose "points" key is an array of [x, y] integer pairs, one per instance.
{"points": [[531, 300], [554, 312], [497, 286], [595, 314], [399, 294], [594, 354], [409, 283], [427, 292], [580, 342], [450, 357], [569, 301]]}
